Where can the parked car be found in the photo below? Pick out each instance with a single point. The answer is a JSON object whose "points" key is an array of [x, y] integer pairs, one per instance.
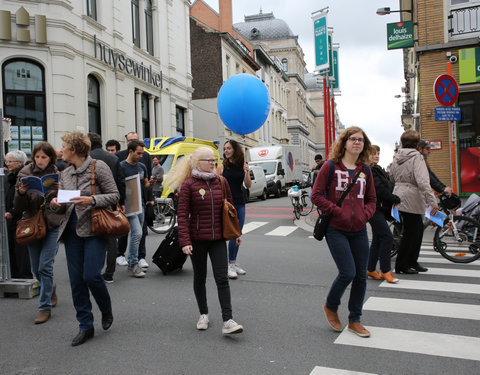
{"points": [[259, 184]]}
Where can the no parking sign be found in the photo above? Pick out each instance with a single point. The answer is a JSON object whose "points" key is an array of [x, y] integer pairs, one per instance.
{"points": [[445, 89]]}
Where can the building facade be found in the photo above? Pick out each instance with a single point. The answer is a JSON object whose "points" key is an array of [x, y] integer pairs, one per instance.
{"points": [[83, 65]]}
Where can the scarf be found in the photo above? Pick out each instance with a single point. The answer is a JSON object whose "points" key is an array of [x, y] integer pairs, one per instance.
{"points": [[206, 176]]}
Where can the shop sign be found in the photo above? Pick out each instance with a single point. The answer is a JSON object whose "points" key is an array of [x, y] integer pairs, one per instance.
{"points": [[123, 63], [469, 65], [448, 114], [400, 35]]}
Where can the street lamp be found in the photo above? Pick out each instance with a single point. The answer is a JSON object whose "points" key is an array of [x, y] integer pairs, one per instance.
{"points": [[386, 10]]}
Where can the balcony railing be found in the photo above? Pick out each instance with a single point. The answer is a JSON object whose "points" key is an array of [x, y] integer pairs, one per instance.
{"points": [[464, 20]]}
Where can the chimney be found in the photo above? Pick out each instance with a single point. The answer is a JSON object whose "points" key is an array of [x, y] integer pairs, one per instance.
{"points": [[226, 15]]}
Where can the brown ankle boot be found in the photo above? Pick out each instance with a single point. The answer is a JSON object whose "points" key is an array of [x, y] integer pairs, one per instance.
{"points": [[54, 298], [42, 316]]}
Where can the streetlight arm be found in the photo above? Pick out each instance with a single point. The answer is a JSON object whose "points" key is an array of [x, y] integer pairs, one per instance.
{"points": [[386, 10]]}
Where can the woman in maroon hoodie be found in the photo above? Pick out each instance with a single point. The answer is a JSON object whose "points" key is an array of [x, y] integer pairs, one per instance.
{"points": [[200, 229], [346, 234]]}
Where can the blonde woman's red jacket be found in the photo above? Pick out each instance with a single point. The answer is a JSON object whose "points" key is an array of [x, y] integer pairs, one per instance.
{"points": [[199, 210], [358, 206]]}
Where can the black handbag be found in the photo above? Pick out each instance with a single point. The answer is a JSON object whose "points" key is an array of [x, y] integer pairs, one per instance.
{"points": [[323, 219]]}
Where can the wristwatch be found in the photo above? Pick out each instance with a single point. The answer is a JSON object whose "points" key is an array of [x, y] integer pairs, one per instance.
{"points": [[94, 202]]}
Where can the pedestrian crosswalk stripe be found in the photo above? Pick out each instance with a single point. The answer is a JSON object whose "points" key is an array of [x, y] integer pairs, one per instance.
{"points": [[282, 231], [441, 260], [452, 272], [418, 307], [335, 371], [434, 286], [437, 344], [248, 227]]}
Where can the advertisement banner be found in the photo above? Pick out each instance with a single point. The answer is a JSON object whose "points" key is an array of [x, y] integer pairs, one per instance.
{"points": [[321, 41], [336, 82], [469, 65], [400, 35], [330, 55]]}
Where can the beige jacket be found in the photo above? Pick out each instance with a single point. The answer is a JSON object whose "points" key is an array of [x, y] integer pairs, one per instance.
{"points": [[80, 179], [412, 181]]}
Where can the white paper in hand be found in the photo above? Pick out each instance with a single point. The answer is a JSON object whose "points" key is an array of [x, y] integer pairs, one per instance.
{"points": [[65, 195]]}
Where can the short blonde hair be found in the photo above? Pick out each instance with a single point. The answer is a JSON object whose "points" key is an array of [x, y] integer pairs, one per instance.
{"points": [[78, 142]]}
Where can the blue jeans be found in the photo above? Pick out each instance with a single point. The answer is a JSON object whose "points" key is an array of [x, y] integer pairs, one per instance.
{"points": [[136, 231], [382, 241], [350, 253], [232, 246], [85, 260], [42, 256]]}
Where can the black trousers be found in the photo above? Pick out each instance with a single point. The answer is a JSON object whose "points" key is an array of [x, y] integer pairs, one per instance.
{"points": [[217, 250], [411, 241], [19, 257], [111, 256]]}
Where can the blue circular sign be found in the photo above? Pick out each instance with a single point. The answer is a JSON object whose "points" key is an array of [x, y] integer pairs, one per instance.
{"points": [[445, 89]]}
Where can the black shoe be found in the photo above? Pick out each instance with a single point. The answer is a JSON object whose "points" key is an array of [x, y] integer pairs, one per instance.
{"points": [[407, 271], [83, 336], [107, 320], [420, 268], [108, 278]]}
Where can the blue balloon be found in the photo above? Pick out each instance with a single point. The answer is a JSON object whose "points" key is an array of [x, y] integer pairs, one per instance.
{"points": [[243, 103]]}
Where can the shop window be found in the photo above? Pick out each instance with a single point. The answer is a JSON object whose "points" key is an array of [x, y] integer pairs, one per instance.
{"points": [[149, 26], [94, 122], [180, 117], [92, 9], [145, 116], [24, 103], [135, 23]]}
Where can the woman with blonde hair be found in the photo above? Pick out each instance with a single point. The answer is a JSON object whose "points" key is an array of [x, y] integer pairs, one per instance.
{"points": [[346, 234], [199, 216]]}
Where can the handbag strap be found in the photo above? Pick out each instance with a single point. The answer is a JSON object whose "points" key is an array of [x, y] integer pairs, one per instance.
{"points": [[224, 190], [339, 203], [94, 188]]}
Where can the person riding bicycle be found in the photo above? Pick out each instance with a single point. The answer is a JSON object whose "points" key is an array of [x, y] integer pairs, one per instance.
{"points": [[435, 183]]}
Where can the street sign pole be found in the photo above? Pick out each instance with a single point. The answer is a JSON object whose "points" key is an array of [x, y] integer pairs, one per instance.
{"points": [[4, 254]]}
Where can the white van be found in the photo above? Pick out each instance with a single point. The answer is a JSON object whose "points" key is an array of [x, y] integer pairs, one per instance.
{"points": [[259, 184]]}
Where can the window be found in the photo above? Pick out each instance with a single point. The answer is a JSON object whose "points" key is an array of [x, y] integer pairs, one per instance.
{"points": [[24, 103], [180, 117], [285, 65], [135, 23], [149, 26], [94, 123], [92, 9], [145, 116]]}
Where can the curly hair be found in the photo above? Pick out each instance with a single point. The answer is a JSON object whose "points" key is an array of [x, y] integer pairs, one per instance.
{"points": [[48, 149], [183, 170], [77, 141], [338, 149], [238, 157]]}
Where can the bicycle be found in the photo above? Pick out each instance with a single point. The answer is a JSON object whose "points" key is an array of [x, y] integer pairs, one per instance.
{"points": [[165, 215], [458, 240], [298, 198], [397, 231]]}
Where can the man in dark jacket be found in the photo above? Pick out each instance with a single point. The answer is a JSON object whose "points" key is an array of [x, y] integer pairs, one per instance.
{"points": [[435, 183], [97, 152]]}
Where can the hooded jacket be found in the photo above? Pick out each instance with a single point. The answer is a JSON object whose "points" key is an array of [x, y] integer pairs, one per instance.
{"points": [[412, 181], [358, 206]]}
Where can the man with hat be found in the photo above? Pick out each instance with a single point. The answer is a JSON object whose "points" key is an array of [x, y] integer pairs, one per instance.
{"points": [[435, 183]]}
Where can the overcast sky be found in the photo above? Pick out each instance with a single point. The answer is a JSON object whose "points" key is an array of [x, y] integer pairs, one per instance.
{"points": [[370, 75]]}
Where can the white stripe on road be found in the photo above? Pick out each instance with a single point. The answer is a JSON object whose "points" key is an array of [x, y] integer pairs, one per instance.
{"points": [[437, 344], [282, 231], [452, 272], [252, 226], [434, 286], [429, 308], [335, 371], [442, 260]]}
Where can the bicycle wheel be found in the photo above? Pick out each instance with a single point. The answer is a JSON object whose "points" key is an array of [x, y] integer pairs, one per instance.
{"points": [[164, 219], [396, 229], [297, 208], [305, 207], [462, 248]]}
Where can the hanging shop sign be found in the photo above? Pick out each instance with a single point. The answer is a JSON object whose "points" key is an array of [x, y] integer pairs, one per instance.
{"points": [[400, 35]]}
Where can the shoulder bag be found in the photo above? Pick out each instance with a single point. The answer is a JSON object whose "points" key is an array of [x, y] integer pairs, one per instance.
{"points": [[31, 229], [230, 225], [107, 223], [323, 219]]}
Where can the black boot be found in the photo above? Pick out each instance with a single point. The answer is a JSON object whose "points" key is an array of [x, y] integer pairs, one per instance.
{"points": [[83, 336], [107, 320]]}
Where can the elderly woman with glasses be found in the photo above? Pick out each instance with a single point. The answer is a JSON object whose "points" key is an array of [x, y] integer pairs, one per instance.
{"points": [[19, 258]]}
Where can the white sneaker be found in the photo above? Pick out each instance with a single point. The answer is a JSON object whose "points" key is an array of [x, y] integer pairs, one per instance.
{"points": [[121, 261], [202, 323], [142, 263], [136, 271], [232, 274], [231, 327], [239, 270]]}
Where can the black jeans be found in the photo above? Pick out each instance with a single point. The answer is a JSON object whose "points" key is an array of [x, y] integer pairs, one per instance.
{"points": [[382, 241], [411, 241], [218, 256], [111, 256]]}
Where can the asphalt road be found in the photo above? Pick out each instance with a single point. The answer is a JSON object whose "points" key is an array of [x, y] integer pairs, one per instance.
{"points": [[279, 302]]}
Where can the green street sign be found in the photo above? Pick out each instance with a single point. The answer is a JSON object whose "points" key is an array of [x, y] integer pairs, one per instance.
{"points": [[336, 83], [400, 35], [321, 42]]}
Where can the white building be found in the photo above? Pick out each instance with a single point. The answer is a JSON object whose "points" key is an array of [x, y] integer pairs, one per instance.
{"points": [[109, 66]]}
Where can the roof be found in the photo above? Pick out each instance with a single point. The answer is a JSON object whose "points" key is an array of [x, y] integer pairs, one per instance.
{"points": [[264, 26]]}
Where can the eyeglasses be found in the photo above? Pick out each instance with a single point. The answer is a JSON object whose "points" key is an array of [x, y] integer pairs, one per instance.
{"points": [[11, 161], [209, 160], [354, 139]]}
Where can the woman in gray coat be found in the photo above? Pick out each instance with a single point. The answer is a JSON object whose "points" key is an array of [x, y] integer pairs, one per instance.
{"points": [[85, 252], [412, 185]]}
